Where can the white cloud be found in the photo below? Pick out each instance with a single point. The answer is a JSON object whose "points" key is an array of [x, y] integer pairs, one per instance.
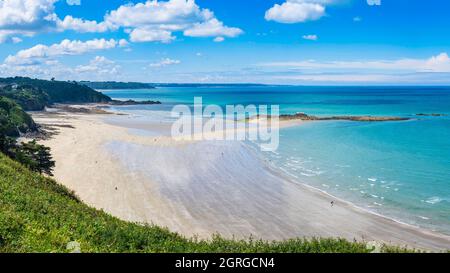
{"points": [[73, 2], [165, 62], [16, 40], [157, 20], [297, 11], [30, 17], [80, 25], [25, 17], [151, 35], [311, 37], [219, 39], [100, 66], [357, 19], [40, 52], [158, 12], [123, 43], [344, 78], [149, 21], [439, 63], [212, 27]]}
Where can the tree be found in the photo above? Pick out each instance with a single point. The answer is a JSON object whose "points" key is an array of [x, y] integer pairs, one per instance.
{"points": [[36, 157], [7, 145]]}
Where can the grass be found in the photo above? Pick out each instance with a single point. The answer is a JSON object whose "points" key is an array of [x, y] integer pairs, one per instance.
{"points": [[39, 215]]}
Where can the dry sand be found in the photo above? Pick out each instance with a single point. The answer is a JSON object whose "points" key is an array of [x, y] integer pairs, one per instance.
{"points": [[201, 188]]}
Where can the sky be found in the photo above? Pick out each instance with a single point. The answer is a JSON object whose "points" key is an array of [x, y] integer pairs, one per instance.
{"points": [[305, 42]]}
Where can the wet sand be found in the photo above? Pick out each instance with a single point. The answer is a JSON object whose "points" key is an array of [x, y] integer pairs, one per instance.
{"points": [[206, 187]]}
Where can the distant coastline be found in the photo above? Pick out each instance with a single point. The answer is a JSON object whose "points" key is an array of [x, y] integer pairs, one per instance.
{"points": [[113, 85]]}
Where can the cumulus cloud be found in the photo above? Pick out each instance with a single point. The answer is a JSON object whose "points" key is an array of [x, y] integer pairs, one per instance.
{"points": [[171, 12], [40, 53], [123, 43], [219, 39], [148, 21], [212, 27], [100, 66], [26, 17], [151, 35], [157, 20], [310, 37], [81, 25], [30, 17], [439, 63], [165, 62], [297, 11]]}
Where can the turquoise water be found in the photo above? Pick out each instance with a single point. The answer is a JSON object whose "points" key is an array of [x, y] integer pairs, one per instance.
{"points": [[398, 169]]}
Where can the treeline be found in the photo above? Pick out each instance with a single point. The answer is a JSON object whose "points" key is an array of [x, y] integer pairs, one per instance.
{"points": [[51, 91], [117, 85]]}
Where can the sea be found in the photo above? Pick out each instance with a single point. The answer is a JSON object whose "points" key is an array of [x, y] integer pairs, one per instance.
{"points": [[398, 169]]}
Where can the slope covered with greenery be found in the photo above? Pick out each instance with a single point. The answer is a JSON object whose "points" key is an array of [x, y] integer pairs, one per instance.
{"points": [[28, 97], [39, 215], [60, 91], [13, 120]]}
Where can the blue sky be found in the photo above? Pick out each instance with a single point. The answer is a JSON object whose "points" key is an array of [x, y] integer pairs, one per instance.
{"points": [[311, 42]]}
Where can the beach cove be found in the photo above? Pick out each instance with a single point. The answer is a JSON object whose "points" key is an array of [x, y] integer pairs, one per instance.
{"points": [[204, 187]]}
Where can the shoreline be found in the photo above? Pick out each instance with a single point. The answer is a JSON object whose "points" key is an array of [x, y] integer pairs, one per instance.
{"points": [[134, 197]]}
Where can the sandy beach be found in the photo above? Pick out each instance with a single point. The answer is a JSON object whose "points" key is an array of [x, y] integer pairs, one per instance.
{"points": [[205, 187]]}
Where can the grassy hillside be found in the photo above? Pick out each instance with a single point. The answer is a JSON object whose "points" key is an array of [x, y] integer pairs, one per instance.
{"points": [[27, 96], [39, 215], [60, 91]]}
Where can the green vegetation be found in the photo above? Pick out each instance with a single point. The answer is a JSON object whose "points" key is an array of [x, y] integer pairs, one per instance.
{"points": [[35, 157], [39, 215], [27, 96], [59, 91], [117, 85], [13, 120]]}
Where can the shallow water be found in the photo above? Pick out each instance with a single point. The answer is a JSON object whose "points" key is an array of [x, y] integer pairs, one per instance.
{"points": [[399, 169]]}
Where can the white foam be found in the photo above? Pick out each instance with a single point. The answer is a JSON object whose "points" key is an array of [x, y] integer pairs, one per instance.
{"points": [[434, 200]]}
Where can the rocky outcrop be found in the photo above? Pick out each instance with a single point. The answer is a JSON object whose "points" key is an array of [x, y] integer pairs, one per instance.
{"points": [[132, 102], [303, 116], [431, 115]]}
